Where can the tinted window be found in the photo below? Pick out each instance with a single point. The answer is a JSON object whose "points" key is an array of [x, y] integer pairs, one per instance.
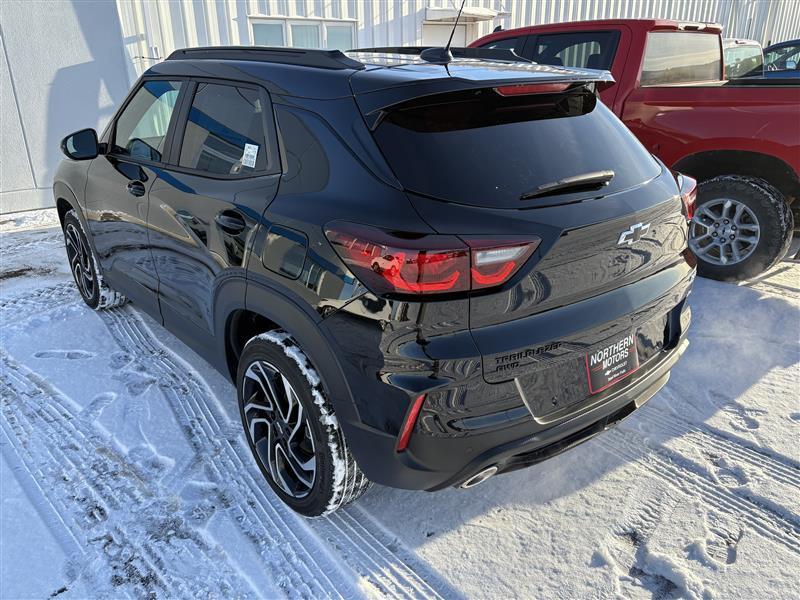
{"points": [[484, 149], [510, 43], [680, 57], [585, 50], [225, 132], [142, 127]]}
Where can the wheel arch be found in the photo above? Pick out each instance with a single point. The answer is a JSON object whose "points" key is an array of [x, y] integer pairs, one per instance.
{"points": [[268, 309], [707, 165], [66, 201]]}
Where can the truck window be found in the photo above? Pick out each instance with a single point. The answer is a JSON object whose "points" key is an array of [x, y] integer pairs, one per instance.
{"points": [[512, 43], [681, 57], [585, 50]]}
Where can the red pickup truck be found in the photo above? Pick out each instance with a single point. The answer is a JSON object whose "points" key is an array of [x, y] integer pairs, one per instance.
{"points": [[740, 139]]}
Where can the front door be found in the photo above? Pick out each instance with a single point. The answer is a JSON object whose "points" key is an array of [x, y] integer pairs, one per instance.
{"points": [[204, 207], [117, 188]]}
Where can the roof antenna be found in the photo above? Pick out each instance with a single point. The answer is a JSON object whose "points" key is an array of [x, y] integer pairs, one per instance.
{"points": [[442, 56]]}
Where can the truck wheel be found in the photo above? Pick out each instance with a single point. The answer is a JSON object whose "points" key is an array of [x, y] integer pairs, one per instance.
{"points": [[742, 226], [85, 267], [291, 428]]}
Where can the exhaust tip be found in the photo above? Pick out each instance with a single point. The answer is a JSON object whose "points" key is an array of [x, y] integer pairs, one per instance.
{"points": [[479, 477]]}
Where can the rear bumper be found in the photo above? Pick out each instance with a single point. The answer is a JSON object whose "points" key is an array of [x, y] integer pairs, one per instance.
{"points": [[529, 450], [468, 423]]}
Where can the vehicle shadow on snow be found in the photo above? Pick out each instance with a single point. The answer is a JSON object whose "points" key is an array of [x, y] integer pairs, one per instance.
{"points": [[737, 336]]}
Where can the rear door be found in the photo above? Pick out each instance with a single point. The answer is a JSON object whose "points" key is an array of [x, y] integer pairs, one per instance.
{"points": [[118, 183], [207, 202]]}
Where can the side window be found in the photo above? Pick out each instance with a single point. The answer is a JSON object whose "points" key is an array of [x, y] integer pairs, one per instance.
{"points": [[510, 43], [681, 57], [225, 132], [141, 129], [783, 59], [585, 50]]}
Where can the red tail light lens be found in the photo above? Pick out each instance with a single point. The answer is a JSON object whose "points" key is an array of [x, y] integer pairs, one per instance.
{"points": [[495, 262], [688, 187], [398, 263], [389, 262]]}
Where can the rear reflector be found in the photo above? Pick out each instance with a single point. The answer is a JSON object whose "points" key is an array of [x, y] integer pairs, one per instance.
{"points": [[408, 424], [688, 187], [402, 263], [532, 88]]}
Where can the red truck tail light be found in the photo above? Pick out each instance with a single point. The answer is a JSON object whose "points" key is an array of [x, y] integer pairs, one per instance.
{"points": [[688, 187], [416, 264]]}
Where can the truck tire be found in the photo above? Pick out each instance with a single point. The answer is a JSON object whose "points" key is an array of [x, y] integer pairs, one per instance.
{"points": [[291, 428], [741, 227]]}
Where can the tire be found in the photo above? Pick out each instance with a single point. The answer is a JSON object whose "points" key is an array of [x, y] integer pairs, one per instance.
{"points": [[85, 267], [729, 253], [289, 422]]}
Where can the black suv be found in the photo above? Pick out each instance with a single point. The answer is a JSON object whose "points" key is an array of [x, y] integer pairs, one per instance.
{"points": [[418, 274]]}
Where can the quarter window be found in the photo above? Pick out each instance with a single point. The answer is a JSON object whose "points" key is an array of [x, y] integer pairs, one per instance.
{"points": [[142, 127], [225, 132]]}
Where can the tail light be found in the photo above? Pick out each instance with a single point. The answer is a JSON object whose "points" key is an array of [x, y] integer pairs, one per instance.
{"points": [[416, 264], [688, 186]]}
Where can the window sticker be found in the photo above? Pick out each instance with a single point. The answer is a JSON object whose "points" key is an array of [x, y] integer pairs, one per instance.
{"points": [[249, 156]]}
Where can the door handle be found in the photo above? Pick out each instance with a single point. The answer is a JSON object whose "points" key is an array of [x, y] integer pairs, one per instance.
{"points": [[231, 222], [135, 188]]}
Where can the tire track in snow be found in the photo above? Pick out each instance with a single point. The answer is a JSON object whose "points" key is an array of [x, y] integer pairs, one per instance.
{"points": [[769, 521], [382, 561], [297, 561], [107, 508], [781, 468]]}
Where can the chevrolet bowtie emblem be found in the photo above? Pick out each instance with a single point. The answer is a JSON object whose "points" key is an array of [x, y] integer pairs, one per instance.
{"points": [[633, 234]]}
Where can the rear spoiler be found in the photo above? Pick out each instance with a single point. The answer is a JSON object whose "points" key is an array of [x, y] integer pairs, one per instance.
{"points": [[374, 97], [506, 54]]}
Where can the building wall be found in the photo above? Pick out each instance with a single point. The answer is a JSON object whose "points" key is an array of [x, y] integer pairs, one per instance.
{"points": [[154, 28], [66, 64], [62, 68]]}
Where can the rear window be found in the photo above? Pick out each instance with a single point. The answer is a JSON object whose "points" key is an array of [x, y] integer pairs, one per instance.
{"points": [[484, 149], [681, 57], [585, 49]]}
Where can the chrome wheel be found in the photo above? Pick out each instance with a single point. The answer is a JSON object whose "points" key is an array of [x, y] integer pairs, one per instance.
{"points": [[723, 232], [80, 261], [279, 429]]}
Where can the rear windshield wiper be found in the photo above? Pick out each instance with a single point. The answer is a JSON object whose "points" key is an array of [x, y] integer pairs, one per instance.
{"points": [[576, 183]]}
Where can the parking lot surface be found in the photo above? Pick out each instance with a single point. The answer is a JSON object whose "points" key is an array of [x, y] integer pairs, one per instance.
{"points": [[125, 471]]}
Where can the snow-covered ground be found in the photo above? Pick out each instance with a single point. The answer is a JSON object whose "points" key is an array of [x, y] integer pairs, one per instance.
{"points": [[125, 472]]}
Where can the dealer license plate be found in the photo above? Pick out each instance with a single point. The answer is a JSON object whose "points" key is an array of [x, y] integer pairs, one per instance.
{"points": [[612, 363]]}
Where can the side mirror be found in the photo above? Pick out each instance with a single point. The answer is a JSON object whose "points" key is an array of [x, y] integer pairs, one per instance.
{"points": [[81, 145], [791, 65]]}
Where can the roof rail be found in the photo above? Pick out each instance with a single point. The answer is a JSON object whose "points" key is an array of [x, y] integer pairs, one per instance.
{"points": [[322, 59], [506, 54]]}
